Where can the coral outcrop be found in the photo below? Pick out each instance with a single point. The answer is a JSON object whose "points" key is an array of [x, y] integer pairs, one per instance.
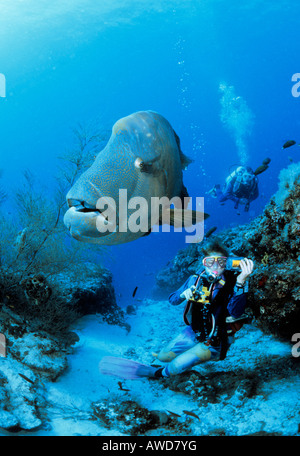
{"points": [[131, 418], [36, 315], [36, 289]]}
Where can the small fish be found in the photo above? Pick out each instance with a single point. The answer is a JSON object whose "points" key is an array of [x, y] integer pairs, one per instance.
{"points": [[191, 414], [260, 169], [121, 387], [26, 378], [210, 231], [266, 161], [173, 414], [288, 144], [134, 292]]}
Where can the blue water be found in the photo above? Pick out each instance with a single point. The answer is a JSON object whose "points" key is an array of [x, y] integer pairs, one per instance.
{"points": [[75, 61]]}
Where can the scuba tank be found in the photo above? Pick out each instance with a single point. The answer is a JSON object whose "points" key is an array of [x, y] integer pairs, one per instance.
{"points": [[203, 321]]}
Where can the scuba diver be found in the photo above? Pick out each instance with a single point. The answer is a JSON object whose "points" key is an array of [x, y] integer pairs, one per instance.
{"points": [[215, 297], [241, 186]]}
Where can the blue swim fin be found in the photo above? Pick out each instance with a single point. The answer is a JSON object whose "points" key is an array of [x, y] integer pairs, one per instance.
{"points": [[125, 368]]}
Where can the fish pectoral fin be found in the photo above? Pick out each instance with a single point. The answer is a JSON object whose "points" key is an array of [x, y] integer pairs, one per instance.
{"points": [[185, 197], [147, 233], [182, 217], [185, 161]]}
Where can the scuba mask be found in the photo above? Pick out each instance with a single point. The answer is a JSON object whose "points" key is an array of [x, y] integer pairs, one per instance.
{"points": [[212, 265], [247, 178], [208, 262]]}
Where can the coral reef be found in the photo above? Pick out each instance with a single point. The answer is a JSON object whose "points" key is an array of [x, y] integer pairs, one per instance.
{"points": [[36, 315], [177, 271], [19, 397], [272, 241], [36, 289], [47, 281]]}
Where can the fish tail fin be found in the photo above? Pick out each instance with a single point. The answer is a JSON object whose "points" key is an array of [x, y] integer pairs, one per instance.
{"points": [[182, 217], [125, 368]]}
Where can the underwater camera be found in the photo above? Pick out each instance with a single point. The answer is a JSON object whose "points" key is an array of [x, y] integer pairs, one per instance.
{"points": [[233, 263], [201, 295]]}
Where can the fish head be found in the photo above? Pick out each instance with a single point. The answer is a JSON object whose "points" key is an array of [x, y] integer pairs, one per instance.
{"points": [[94, 198], [134, 163]]}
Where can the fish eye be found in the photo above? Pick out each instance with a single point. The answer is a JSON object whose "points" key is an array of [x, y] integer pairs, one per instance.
{"points": [[139, 163]]}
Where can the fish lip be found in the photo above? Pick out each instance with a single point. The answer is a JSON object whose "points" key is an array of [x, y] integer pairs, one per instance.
{"points": [[81, 211], [85, 208], [81, 206]]}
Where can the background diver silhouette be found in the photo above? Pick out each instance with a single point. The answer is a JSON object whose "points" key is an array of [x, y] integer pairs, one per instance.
{"points": [[241, 186]]}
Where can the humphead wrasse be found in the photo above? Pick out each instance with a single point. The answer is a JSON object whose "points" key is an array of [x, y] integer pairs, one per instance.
{"points": [[142, 161]]}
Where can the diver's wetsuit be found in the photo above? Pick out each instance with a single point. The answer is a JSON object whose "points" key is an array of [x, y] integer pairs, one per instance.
{"points": [[226, 299], [245, 194]]}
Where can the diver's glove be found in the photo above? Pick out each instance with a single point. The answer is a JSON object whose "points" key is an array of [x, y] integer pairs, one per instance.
{"points": [[246, 266], [188, 293]]}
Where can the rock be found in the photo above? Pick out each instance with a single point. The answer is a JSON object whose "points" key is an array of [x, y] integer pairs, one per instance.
{"points": [[18, 409], [171, 277], [35, 318], [131, 310], [8, 420], [271, 240], [36, 289], [159, 417], [94, 294], [129, 417], [41, 354]]}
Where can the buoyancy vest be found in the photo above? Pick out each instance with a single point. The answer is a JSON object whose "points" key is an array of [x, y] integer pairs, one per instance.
{"points": [[241, 189], [217, 311]]}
